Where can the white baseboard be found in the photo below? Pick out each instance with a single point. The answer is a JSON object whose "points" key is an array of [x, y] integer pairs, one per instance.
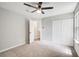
{"points": [[11, 47]]}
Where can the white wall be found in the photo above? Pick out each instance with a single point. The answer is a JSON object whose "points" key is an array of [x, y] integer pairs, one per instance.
{"points": [[39, 24], [57, 30], [46, 29], [12, 29]]}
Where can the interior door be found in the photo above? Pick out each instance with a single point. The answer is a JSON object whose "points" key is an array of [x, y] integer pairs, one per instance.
{"points": [[31, 31]]}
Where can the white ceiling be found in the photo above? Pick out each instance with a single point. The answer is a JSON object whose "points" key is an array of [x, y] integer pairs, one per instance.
{"points": [[59, 8]]}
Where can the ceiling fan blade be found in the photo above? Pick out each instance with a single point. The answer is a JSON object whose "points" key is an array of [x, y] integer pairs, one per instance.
{"points": [[47, 8], [30, 5], [42, 12], [34, 11]]}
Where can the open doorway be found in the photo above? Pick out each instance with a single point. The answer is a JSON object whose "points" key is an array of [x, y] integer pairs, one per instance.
{"points": [[34, 29]]}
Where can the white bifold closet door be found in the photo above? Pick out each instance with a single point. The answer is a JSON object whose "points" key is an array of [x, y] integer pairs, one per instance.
{"points": [[62, 32]]}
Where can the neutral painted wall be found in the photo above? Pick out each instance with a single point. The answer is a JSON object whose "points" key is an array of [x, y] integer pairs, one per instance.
{"points": [[57, 30], [46, 29], [12, 29]]}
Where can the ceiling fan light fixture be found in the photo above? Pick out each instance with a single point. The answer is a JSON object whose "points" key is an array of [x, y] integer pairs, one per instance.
{"points": [[38, 11]]}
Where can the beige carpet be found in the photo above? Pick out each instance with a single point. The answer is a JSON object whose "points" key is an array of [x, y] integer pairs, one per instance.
{"points": [[34, 50]]}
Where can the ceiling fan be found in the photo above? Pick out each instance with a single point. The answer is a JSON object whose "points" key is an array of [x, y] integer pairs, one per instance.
{"points": [[39, 8]]}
